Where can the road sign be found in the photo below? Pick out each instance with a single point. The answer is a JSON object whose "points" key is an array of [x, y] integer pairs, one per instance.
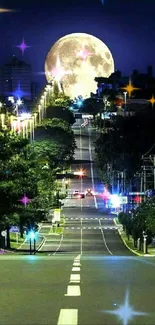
{"points": [[3, 233], [87, 116], [14, 229], [123, 199], [136, 193], [56, 215]]}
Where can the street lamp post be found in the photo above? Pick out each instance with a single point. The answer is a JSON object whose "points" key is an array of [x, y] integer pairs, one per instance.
{"points": [[125, 94], [144, 242], [39, 111], [1, 106], [3, 119], [18, 103]]}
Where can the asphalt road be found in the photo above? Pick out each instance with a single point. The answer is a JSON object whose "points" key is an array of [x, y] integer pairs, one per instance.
{"points": [[88, 277], [69, 290], [88, 229]]}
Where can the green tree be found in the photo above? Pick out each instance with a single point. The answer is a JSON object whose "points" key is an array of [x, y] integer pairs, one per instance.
{"points": [[60, 112], [122, 149], [62, 137]]}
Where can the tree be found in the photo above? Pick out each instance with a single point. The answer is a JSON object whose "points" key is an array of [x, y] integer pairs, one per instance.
{"points": [[91, 106], [139, 221], [62, 137], [58, 98], [125, 142], [60, 112]]}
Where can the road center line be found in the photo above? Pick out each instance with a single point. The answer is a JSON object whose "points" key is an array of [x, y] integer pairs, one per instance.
{"points": [[77, 257], [73, 290], [92, 173], [75, 278], [68, 317], [77, 264], [76, 268], [81, 237], [81, 181], [104, 238]]}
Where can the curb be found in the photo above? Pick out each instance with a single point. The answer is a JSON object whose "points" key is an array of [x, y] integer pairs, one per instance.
{"points": [[136, 253], [22, 244], [139, 254], [41, 244]]}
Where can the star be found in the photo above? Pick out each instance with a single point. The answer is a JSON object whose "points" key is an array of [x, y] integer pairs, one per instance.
{"points": [[25, 200], [130, 88], [83, 53], [23, 46], [125, 313], [152, 100], [18, 93]]}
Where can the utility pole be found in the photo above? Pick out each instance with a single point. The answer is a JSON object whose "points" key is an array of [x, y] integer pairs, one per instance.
{"points": [[149, 170], [154, 171], [144, 171]]}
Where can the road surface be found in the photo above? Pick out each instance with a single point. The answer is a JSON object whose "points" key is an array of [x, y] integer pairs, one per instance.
{"points": [[86, 276]]}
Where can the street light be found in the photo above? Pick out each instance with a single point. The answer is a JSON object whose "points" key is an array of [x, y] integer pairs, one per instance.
{"points": [[2, 119], [17, 104], [1, 106], [145, 242], [125, 94]]}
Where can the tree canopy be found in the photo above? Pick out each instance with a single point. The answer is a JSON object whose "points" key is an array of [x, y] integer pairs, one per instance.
{"points": [[124, 143], [60, 112]]}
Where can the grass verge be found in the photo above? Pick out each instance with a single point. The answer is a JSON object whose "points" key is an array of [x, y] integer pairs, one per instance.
{"points": [[16, 241], [59, 230], [130, 243]]}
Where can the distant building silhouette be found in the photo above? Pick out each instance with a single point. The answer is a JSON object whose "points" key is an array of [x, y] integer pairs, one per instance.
{"points": [[17, 73], [144, 81]]}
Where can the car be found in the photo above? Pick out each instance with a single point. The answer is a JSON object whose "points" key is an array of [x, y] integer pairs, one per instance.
{"points": [[89, 192], [78, 194]]}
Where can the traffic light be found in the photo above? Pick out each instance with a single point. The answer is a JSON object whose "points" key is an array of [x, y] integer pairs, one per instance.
{"points": [[137, 199]]}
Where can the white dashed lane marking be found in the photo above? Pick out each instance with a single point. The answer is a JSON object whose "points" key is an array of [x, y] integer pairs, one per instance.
{"points": [[76, 269], [96, 228], [89, 218], [75, 278], [73, 290], [68, 317]]}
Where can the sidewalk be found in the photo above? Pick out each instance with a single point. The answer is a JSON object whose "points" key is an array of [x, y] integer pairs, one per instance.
{"points": [[130, 244]]}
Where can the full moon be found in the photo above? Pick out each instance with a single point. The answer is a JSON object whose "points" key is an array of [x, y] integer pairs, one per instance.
{"points": [[75, 60]]}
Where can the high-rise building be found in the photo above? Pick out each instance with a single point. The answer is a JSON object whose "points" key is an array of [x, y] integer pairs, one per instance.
{"points": [[16, 79]]}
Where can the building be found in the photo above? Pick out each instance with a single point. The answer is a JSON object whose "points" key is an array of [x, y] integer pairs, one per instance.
{"points": [[144, 81], [15, 79]]}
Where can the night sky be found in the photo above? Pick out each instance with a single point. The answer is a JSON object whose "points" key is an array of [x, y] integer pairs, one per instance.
{"points": [[127, 27]]}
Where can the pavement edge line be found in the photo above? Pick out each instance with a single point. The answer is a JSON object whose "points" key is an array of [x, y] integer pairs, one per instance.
{"points": [[123, 240]]}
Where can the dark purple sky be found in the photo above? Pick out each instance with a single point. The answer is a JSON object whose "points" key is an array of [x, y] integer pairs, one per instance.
{"points": [[127, 27]]}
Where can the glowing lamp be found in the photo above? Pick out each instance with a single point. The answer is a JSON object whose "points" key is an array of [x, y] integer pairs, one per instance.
{"points": [[32, 234], [79, 103], [19, 101], [25, 116], [137, 199], [115, 201], [106, 195], [80, 173]]}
